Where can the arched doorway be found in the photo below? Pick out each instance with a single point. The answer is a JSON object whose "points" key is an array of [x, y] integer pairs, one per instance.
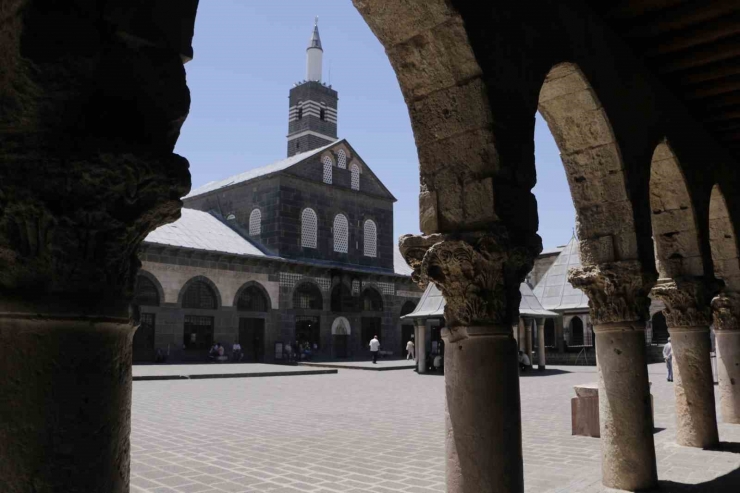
{"points": [[660, 328], [199, 301], [340, 332], [576, 331], [372, 321], [307, 305], [252, 305]]}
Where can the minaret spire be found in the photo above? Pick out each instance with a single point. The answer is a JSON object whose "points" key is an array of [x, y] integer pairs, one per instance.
{"points": [[314, 55]]}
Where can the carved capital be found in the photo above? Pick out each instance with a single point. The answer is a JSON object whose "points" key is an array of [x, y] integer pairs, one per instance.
{"points": [[686, 301], [617, 291], [478, 274], [726, 312]]}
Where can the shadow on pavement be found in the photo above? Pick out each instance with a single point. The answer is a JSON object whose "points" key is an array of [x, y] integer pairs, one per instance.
{"points": [[724, 484], [731, 447], [545, 373]]}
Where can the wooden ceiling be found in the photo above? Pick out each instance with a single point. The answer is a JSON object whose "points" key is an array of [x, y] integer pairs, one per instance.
{"points": [[693, 46]]}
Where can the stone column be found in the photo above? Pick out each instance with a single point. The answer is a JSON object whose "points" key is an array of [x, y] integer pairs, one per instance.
{"points": [[726, 308], [541, 345], [421, 347], [618, 304], [87, 170], [483, 439], [528, 338], [688, 317]]}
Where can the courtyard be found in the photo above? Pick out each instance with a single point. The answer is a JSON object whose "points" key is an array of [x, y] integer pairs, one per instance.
{"points": [[364, 431]]}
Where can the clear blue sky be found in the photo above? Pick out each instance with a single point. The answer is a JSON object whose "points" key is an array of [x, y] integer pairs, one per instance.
{"points": [[247, 57]]}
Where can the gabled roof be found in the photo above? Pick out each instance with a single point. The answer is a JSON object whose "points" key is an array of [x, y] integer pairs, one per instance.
{"points": [[202, 231], [432, 304], [399, 264], [257, 172], [554, 291]]}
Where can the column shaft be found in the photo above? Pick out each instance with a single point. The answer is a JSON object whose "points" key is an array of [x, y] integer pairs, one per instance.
{"points": [[694, 386], [728, 370], [528, 339], [626, 424], [65, 404], [484, 436], [421, 348], [541, 345]]}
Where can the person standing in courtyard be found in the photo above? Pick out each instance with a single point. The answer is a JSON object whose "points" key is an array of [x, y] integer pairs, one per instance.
{"points": [[410, 350], [374, 348], [668, 357]]}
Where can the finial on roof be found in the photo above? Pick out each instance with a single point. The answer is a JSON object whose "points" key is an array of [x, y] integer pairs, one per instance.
{"points": [[316, 22], [315, 41]]}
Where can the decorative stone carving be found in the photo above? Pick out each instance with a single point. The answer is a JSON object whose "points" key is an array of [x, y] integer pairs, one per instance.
{"points": [[617, 291], [478, 274], [726, 312], [686, 300]]}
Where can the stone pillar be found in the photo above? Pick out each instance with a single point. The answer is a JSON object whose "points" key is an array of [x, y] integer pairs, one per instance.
{"points": [[421, 348], [726, 308], [619, 304], [87, 171], [484, 438], [528, 339], [541, 345], [688, 317]]}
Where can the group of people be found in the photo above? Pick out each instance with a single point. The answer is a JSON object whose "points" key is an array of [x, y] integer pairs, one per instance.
{"points": [[303, 351], [218, 353]]}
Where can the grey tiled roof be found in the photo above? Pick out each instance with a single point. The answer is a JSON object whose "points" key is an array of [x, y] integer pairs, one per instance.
{"points": [[257, 172], [202, 231], [554, 291], [432, 304], [399, 264]]}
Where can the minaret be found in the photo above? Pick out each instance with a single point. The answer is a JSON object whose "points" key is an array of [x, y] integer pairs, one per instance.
{"points": [[312, 119]]}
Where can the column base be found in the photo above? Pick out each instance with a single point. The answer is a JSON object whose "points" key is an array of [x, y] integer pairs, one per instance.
{"points": [[66, 409], [728, 371]]}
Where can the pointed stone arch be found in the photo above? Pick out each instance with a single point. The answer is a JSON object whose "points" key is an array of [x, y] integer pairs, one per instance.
{"points": [[723, 241], [593, 165], [675, 234]]}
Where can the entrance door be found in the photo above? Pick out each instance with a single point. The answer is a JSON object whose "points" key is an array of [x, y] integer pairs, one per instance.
{"points": [[143, 345], [252, 338], [407, 334], [339, 342], [370, 328], [307, 330]]}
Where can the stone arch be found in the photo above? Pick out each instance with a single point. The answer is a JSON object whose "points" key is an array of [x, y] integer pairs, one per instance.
{"points": [[372, 300], [202, 279], [342, 299], [593, 165], [673, 220], [576, 331], [659, 328], [341, 327], [249, 285], [153, 279], [723, 241], [407, 308], [307, 295]]}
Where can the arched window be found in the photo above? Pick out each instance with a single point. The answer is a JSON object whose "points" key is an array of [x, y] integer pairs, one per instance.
{"points": [[341, 159], [255, 223], [576, 331], [309, 225], [372, 301], [370, 239], [252, 299], [660, 329], [341, 233], [328, 165], [308, 296], [146, 293], [355, 170], [199, 295], [341, 299]]}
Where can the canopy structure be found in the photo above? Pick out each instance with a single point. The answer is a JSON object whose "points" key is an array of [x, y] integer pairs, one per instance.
{"points": [[432, 304], [554, 291]]}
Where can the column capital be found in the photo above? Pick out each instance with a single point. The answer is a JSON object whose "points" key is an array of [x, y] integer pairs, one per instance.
{"points": [[726, 312], [686, 300], [478, 273], [617, 291]]}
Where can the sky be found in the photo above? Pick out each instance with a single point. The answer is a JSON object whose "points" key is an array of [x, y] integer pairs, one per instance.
{"points": [[249, 54]]}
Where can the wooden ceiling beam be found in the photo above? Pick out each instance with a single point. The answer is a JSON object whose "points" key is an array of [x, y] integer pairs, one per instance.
{"points": [[681, 17], [698, 57], [720, 70], [709, 32], [728, 85]]}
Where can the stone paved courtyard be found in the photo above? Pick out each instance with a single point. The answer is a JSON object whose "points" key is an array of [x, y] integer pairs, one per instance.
{"points": [[359, 431]]}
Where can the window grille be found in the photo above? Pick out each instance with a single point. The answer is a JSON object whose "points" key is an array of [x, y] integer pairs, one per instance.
{"points": [[342, 159], [199, 295], [309, 225], [198, 332], [255, 223], [327, 169], [308, 296], [146, 293], [371, 239], [341, 234], [355, 170], [252, 299]]}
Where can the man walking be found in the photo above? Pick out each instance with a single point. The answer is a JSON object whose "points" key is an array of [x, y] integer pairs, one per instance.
{"points": [[668, 357], [410, 350], [374, 347]]}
